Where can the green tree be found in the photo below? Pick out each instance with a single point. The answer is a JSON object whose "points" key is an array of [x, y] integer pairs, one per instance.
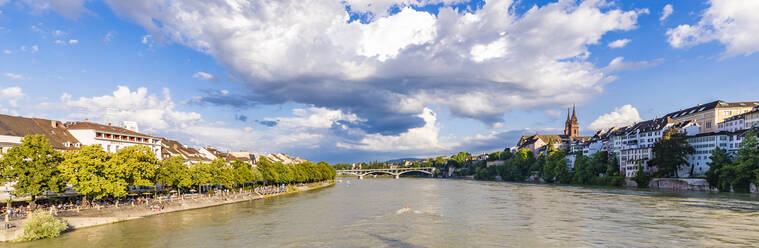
{"points": [[136, 165], [174, 172], [671, 152], [719, 160], [583, 169], [87, 170], [243, 172], [746, 166], [612, 165], [641, 177], [201, 175], [33, 165]]}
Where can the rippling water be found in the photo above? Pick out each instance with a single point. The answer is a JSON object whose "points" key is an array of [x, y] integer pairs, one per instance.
{"points": [[445, 213]]}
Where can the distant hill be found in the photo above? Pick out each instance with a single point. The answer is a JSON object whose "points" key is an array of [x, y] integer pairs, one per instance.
{"points": [[403, 159]]}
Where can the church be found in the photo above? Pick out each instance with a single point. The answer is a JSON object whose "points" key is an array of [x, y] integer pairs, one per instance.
{"points": [[539, 142]]}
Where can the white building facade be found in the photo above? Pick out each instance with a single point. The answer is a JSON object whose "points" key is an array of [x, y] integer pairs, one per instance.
{"points": [[112, 138]]}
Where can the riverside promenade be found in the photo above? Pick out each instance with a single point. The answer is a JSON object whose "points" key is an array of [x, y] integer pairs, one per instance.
{"points": [[112, 213]]}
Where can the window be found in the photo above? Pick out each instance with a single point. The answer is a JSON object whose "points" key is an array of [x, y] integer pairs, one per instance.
{"points": [[708, 124], [727, 112]]}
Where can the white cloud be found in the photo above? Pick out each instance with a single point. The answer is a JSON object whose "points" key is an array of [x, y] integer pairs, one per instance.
{"points": [[152, 112], [734, 23], [666, 12], [73, 42], [619, 64], [300, 51], [12, 95], [313, 117], [35, 49], [59, 33], [622, 116], [13, 76], [423, 138], [6, 51], [204, 76], [619, 43]]}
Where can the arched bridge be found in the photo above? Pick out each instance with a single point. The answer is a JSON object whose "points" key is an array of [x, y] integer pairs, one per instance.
{"points": [[391, 171]]}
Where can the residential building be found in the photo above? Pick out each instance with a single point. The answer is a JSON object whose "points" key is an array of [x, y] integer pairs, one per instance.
{"points": [[172, 148], [14, 128], [639, 140], [112, 138], [708, 115], [732, 124], [704, 144]]}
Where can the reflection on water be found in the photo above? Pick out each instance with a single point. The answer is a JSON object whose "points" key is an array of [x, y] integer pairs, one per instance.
{"points": [[444, 213]]}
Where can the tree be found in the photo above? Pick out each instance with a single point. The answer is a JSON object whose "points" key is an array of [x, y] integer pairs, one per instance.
{"points": [[201, 175], [33, 165], [87, 170], [583, 169], [268, 172], [136, 165], [719, 160], [612, 165], [243, 172], [641, 177], [671, 152], [746, 163], [555, 168], [174, 172]]}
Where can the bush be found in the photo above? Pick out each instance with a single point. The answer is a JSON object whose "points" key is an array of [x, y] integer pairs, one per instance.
{"points": [[641, 178], [41, 225]]}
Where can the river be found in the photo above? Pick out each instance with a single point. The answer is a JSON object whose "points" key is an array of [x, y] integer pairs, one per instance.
{"points": [[444, 213]]}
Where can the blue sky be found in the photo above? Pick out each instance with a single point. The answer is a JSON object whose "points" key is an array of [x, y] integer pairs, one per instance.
{"points": [[360, 80]]}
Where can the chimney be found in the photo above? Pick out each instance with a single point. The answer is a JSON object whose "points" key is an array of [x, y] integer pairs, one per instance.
{"points": [[54, 124], [86, 120]]}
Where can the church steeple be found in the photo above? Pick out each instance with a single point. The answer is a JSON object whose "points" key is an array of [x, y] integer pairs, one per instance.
{"points": [[572, 127]]}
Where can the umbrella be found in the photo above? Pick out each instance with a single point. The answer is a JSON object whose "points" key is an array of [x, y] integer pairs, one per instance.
{"points": [[172, 191], [193, 190]]}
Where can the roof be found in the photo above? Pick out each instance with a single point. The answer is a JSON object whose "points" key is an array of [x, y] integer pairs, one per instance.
{"points": [[710, 106], [175, 148], [53, 130], [104, 128], [651, 125]]}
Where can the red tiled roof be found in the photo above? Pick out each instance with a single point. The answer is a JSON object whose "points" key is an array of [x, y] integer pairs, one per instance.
{"points": [[53, 130]]}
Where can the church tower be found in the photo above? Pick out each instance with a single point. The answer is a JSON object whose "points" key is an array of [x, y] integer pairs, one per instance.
{"points": [[571, 127]]}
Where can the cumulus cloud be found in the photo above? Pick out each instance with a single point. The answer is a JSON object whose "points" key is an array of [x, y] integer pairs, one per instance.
{"points": [[71, 42], [13, 76], [478, 64], [622, 116], [666, 12], [152, 112], [619, 43], [12, 95], [731, 22], [423, 138]]}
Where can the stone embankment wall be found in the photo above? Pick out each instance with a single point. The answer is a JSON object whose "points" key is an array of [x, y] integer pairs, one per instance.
{"points": [[680, 184]]}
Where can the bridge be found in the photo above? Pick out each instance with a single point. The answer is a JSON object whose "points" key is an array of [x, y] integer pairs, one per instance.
{"points": [[397, 172]]}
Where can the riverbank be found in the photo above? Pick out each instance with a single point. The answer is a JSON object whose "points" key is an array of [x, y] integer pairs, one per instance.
{"points": [[125, 212]]}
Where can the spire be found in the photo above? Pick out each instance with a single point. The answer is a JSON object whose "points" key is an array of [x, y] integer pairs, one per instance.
{"points": [[574, 117], [568, 115]]}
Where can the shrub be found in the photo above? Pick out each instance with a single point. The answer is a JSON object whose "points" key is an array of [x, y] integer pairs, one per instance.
{"points": [[641, 178], [41, 225]]}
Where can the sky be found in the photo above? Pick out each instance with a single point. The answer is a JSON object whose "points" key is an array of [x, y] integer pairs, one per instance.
{"points": [[359, 80]]}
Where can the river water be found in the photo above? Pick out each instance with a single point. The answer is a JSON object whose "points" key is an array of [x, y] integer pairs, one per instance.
{"points": [[444, 213]]}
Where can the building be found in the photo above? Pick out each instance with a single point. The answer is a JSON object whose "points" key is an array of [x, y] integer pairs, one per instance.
{"points": [[538, 143], [638, 142], [752, 118], [172, 148], [708, 115], [14, 128], [704, 144], [284, 158], [112, 138]]}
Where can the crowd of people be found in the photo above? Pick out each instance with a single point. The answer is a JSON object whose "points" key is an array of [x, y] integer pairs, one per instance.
{"points": [[268, 190]]}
